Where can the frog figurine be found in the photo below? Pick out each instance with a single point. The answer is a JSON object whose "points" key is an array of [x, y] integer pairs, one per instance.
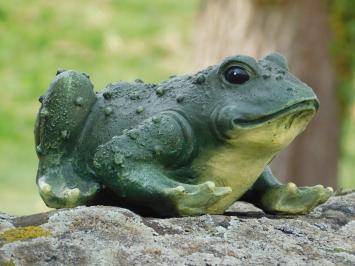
{"points": [[191, 145]]}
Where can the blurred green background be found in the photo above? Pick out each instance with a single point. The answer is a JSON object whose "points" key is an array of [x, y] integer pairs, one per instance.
{"points": [[110, 40]]}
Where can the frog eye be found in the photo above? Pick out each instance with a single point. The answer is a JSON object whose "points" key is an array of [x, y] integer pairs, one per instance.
{"points": [[236, 75]]}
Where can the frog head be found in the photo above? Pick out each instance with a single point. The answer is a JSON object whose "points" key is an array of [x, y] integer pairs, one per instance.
{"points": [[263, 107]]}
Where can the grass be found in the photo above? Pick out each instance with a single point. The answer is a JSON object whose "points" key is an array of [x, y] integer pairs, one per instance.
{"points": [[110, 40]]}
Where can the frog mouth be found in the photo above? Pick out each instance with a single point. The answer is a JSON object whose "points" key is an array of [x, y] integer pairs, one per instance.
{"points": [[299, 109]]}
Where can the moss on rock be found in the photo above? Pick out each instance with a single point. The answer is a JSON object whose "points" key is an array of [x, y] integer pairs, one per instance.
{"points": [[22, 233]]}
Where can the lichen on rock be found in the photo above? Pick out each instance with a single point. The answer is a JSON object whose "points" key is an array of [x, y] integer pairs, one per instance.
{"points": [[102, 235], [23, 233]]}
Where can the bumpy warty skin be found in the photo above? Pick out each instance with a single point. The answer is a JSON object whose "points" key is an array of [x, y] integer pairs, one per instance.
{"points": [[190, 145]]}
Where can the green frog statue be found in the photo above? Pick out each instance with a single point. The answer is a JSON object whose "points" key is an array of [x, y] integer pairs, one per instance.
{"points": [[191, 145]]}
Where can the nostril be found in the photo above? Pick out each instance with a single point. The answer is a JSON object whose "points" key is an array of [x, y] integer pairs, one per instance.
{"points": [[317, 105]]}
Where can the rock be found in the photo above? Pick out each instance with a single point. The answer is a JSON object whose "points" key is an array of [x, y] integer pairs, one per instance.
{"points": [[101, 235], [241, 208], [5, 222]]}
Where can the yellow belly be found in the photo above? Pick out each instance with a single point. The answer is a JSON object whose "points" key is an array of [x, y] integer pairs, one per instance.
{"points": [[241, 159], [229, 168]]}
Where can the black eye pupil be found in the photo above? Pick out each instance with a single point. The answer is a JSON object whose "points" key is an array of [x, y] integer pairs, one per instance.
{"points": [[236, 75]]}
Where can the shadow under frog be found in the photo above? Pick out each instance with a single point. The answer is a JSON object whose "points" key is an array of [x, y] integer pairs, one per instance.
{"points": [[190, 145]]}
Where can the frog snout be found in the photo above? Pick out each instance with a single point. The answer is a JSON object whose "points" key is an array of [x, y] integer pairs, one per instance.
{"points": [[316, 104], [226, 118]]}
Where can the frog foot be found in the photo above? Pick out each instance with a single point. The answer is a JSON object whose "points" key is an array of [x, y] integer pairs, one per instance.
{"points": [[60, 187], [295, 200], [195, 199], [63, 197]]}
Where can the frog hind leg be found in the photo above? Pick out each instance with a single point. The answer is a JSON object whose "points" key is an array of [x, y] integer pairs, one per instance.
{"points": [[272, 196], [62, 115], [61, 187], [133, 165], [145, 188]]}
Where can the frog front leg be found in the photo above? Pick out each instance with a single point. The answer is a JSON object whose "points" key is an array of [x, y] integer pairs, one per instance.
{"points": [[272, 196], [62, 180], [135, 165], [60, 185]]}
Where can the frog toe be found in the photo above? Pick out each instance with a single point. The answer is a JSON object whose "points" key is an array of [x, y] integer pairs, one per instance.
{"points": [[72, 197], [210, 188], [45, 188], [318, 193], [295, 200], [291, 187], [196, 199], [326, 194], [60, 187], [221, 191], [64, 197], [177, 191]]}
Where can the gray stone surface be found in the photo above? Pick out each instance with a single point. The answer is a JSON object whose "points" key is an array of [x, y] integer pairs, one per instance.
{"points": [[113, 236]]}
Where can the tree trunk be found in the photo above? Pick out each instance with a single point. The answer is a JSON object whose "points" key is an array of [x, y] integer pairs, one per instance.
{"points": [[300, 31]]}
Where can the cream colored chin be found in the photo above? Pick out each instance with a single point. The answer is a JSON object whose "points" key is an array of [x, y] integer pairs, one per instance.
{"points": [[273, 135], [239, 162]]}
